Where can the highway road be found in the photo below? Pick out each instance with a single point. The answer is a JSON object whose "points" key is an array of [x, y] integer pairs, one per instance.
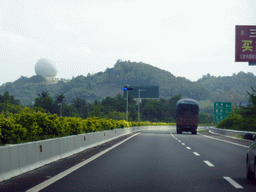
{"points": [[148, 161]]}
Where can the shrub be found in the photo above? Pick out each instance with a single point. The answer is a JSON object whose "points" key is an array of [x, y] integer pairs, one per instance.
{"points": [[234, 121], [11, 133]]}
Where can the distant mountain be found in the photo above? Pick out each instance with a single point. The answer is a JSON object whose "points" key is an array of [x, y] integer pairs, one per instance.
{"points": [[110, 83], [229, 88]]}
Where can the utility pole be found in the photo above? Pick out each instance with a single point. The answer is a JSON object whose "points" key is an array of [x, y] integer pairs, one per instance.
{"points": [[61, 105], [60, 108]]}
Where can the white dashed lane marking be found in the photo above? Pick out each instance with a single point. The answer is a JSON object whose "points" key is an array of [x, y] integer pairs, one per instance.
{"points": [[188, 148], [197, 154], [232, 182], [209, 163]]}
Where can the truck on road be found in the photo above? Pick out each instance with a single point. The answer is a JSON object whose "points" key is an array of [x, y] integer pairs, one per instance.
{"points": [[187, 111]]}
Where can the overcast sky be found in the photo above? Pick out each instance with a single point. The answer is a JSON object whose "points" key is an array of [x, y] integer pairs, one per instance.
{"points": [[187, 38]]}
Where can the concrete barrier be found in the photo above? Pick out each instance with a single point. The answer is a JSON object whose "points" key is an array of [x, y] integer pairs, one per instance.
{"points": [[55, 149], [21, 158], [5, 164], [66, 146], [78, 143], [15, 160], [33, 155], [49, 151], [23, 155]]}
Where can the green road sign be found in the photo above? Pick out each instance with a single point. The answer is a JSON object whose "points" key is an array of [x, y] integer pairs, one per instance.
{"points": [[145, 91], [221, 110]]}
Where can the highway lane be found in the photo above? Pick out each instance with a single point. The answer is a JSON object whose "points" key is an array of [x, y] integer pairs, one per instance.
{"points": [[164, 161]]}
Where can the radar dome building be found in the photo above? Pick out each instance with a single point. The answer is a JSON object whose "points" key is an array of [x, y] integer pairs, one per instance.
{"points": [[46, 69]]}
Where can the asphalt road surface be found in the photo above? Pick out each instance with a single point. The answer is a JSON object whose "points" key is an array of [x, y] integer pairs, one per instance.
{"points": [[151, 161]]}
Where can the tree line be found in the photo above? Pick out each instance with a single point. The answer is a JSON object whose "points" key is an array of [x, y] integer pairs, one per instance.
{"points": [[153, 110], [162, 110]]}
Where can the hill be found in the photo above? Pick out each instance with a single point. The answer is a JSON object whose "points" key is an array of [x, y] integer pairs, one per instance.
{"points": [[111, 81]]}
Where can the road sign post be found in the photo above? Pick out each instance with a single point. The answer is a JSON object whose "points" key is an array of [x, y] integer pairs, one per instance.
{"points": [[149, 92], [139, 105], [126, 88], [221, 110]]}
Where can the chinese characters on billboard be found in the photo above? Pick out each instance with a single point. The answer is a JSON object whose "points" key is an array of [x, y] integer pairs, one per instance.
{"points": [[245, 43]]}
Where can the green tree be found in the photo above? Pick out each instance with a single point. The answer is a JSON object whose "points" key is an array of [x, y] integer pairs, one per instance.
{"points": [[154, 111], [117, 115], [8, 97], [97, 111], [205, 118], [81, 106], [44, 101], [109, 104], [7, 109], [69, 111], [58, 104], [172, 105]]}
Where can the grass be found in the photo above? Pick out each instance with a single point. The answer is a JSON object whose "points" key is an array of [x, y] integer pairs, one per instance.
{"points": [[202, 131]]}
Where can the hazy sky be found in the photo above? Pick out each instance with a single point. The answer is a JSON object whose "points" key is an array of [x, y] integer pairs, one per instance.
{"points": [[187, 38]]}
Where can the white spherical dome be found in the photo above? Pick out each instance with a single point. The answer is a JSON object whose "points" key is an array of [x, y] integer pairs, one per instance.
{"points": [[45, 68]]}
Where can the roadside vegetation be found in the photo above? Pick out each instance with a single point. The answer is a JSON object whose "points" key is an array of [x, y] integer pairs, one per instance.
{"points": [[242, 118], [33, 126], [51, 118]]}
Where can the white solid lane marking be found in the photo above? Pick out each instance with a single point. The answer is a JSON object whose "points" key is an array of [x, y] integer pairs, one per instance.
{"points": [[232, 182], [182, 143], [72, 169], [188, 148], [209, 163], [226, 141], [197, 154]]}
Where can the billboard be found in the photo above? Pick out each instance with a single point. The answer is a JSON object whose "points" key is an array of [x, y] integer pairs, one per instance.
{"points": [[145, 91], [245, 43]]}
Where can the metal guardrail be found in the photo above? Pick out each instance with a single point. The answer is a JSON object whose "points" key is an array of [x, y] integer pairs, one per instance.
{"points": [[227, 132]]}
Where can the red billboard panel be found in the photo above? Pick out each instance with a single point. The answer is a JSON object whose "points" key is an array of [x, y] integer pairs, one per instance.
{"points": [[245, 43]]}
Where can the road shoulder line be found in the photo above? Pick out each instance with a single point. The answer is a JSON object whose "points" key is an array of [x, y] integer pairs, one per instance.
{"points": [[225, 141], [74, 168]]}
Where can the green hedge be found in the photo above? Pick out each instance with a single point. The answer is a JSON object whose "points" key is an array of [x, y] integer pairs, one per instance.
{"points": [[32, 126], [237, 122]]}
